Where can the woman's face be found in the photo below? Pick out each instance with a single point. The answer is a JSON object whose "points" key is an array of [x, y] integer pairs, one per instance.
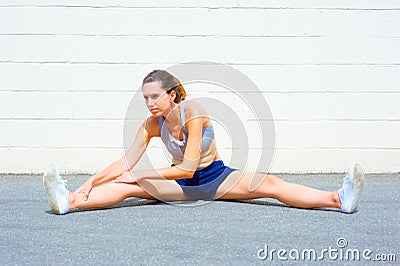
{"points": [[157, 100]]}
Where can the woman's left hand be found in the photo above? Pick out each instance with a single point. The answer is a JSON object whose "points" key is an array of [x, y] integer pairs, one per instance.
{"points": [[125, 177]]}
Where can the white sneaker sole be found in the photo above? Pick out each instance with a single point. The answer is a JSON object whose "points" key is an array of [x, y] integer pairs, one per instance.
{"points": [[358, 185], [50, 186]]}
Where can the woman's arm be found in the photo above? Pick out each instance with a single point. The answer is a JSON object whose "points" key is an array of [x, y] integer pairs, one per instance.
{"points": [[145, 132], [111, 172], [126, 162]]}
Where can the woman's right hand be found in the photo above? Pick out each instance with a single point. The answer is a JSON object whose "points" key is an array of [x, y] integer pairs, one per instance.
{"points": [[85, 188]]}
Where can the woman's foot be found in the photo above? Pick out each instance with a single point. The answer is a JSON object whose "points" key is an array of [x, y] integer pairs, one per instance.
{"points": [[350, 192], [56, 191]]}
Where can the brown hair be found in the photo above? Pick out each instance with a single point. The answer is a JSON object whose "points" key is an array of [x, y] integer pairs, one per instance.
{"points": [[168, 82]]}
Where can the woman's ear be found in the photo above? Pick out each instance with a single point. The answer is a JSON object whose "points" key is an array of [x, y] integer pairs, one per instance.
{"points": [[172, 96]]}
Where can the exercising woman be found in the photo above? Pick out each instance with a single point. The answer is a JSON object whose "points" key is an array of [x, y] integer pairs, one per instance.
{"points": [[197, 172]]}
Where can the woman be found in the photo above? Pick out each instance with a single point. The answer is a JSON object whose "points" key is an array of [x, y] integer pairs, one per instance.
{"points": [[197, 171]]}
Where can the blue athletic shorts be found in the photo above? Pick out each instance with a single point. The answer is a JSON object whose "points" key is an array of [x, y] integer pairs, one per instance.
{"points": [[205, 182]]}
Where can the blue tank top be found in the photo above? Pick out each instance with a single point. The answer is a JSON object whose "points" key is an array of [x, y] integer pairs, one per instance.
{"points": [[177, 147]]}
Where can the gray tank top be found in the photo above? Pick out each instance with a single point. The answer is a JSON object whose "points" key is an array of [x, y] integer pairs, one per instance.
{"points": [[177, 147]]}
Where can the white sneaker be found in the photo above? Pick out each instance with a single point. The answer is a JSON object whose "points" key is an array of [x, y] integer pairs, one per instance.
{"points": [[57, 193], [350, 192]]}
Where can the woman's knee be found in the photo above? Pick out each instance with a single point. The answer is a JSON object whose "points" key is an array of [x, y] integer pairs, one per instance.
{"points": [[273, 180], [265, 182], [271, 186]]}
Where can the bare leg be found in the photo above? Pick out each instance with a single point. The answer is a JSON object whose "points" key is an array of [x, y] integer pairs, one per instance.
{"points": [[106, 195], [112, 193], [237, 187]]}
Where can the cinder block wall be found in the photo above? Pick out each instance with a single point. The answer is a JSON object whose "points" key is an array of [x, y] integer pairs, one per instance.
{"points": [[330, 72]]}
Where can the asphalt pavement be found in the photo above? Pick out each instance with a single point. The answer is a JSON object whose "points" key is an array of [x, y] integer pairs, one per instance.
{"points": [[258, 232]]}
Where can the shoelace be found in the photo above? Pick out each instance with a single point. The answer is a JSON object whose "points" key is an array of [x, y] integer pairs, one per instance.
{"points": [[346, 179], [64, 181]]}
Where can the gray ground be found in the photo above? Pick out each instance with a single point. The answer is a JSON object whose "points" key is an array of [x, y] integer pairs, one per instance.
{"points": [[149, 232]]}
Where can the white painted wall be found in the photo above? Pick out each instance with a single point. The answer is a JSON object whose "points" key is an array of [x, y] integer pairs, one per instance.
{"points": [[330, 71]]}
